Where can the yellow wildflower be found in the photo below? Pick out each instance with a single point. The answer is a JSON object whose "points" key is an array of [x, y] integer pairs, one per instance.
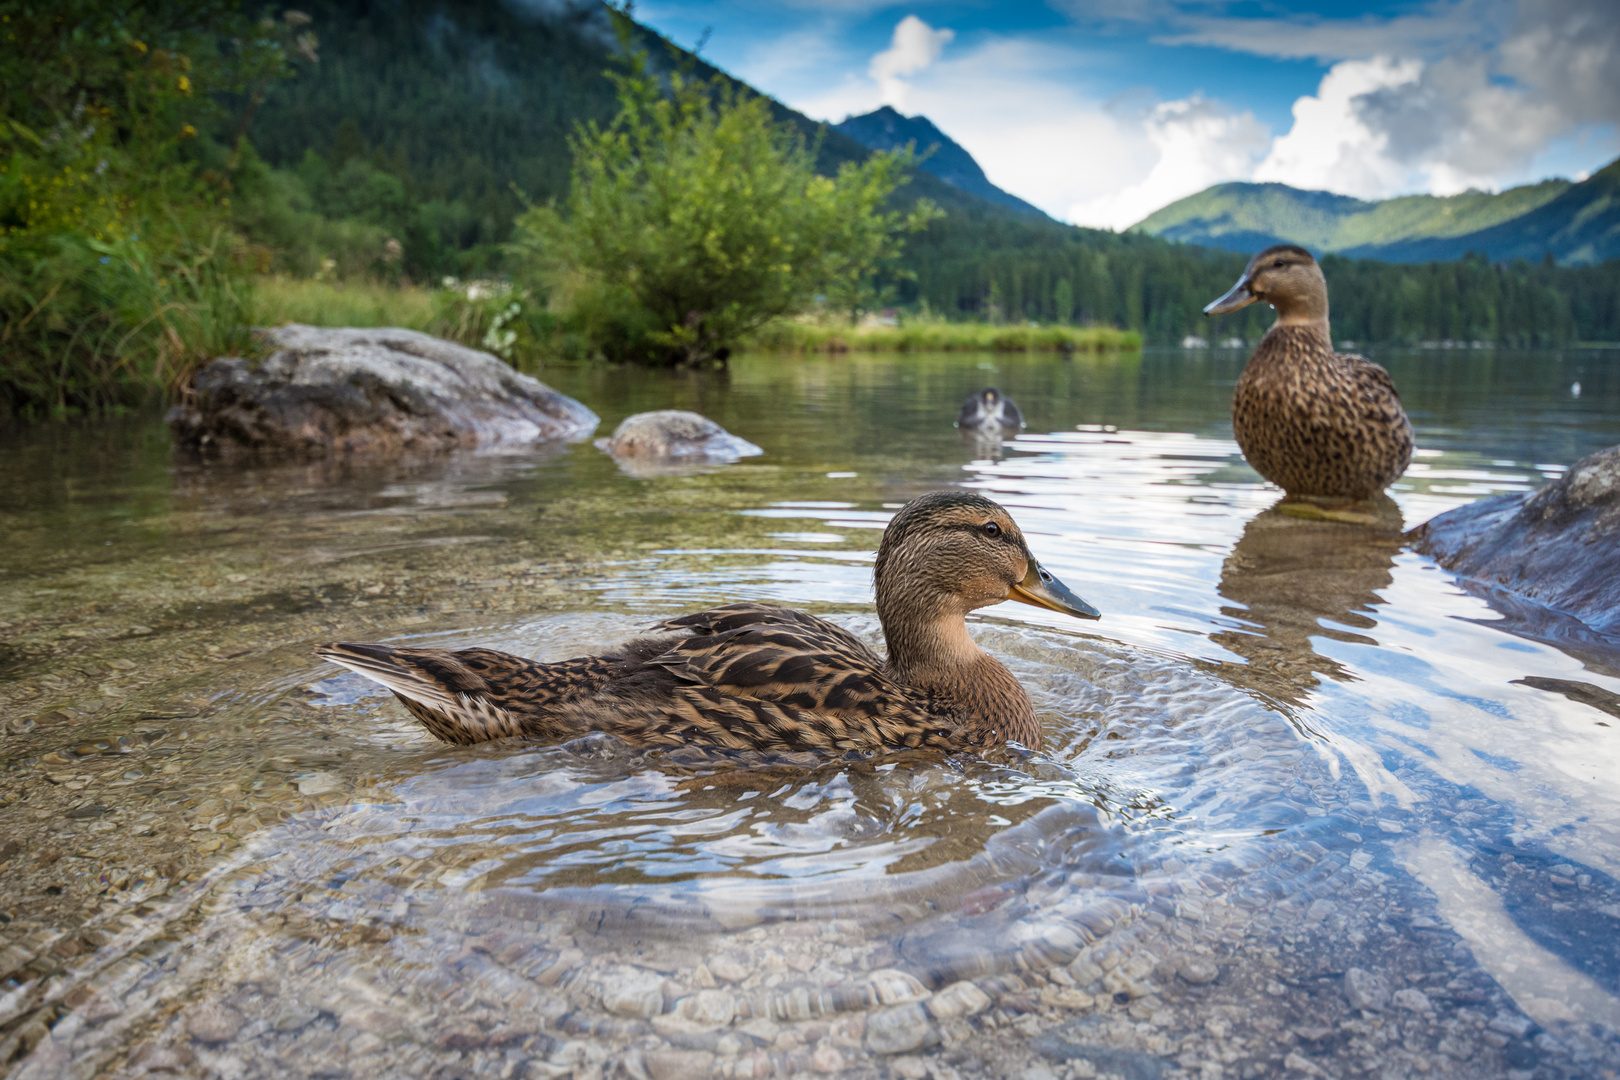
{"points": [[185, 85], [188, 132]]}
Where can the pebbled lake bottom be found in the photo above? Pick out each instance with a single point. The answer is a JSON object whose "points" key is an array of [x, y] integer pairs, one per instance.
{"points": [[1307, 805]]}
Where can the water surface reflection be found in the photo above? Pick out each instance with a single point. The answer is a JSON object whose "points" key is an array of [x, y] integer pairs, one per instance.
{"points": [[1306, 805]]}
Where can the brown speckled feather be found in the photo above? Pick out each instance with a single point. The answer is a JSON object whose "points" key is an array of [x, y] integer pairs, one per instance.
{"points": [[1316, 422], [752, 676]]}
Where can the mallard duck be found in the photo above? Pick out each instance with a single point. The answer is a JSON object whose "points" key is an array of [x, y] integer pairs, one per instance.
{"points": [[989, 408], [1312, 421], [759, 677]]}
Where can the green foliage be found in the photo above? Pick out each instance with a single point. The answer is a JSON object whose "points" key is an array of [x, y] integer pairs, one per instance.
{"points": [[116, 260], [279, 300], [495, 317], [694, 218]]}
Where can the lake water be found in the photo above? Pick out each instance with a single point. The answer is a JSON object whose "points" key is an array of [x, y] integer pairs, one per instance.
{"points": [[1308, 805]]}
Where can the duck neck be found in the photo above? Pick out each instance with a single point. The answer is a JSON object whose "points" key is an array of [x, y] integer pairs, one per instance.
{"points": [[929, 646], [1311, 334], [1308, 309]]}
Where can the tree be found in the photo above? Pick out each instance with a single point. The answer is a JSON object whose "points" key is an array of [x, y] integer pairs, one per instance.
{"points": [[694, 217], [113, 232]]}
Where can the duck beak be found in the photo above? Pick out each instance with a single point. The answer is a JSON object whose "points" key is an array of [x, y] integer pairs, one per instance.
{"points": [[1040, 589], [1238, 296]]}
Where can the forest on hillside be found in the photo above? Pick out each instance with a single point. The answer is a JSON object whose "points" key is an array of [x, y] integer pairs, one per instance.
{"points": [[158, 162], [433, 124]]}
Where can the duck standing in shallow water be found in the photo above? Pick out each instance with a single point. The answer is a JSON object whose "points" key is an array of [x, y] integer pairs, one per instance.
{"points": [[1316, 423], [759, 677]]}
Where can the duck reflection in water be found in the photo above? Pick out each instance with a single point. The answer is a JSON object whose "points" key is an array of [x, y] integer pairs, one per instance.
{"points": [[987, 418], [1292, 579]]}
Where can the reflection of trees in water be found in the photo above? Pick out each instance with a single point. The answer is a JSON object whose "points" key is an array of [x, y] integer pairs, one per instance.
{"points": [[1291, 575]]}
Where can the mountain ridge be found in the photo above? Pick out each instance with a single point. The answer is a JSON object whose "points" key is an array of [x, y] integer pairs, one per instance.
{"points": [[885, 128], [1578, 223]]}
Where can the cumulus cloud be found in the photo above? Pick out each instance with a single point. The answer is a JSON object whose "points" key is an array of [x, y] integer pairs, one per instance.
{"points": [[1331, 144], [1197, 142], [1476, 116], [1451, 95], [1106, 163], [914, 48]]}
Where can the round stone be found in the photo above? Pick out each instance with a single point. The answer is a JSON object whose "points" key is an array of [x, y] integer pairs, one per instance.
{"points": [[899, 1030], [213, 1023]]}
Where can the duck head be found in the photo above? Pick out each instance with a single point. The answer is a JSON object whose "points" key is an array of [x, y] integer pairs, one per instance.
{"points": [[1287, 278], [948, 553]]}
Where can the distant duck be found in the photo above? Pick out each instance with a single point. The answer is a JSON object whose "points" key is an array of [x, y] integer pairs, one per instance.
{"points": [[1312, 421], [988, 409]]}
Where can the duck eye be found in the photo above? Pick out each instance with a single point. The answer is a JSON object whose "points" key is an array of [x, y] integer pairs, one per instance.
{"points": [[1277, 265], [990, 528]]}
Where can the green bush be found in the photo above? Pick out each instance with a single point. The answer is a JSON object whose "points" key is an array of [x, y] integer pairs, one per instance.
{"points": [[119, 271], [496, 317], [694, 218]]}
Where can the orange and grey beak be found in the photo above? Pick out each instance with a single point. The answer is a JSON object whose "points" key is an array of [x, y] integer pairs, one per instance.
{"points": [[1040, 589], [1238, 296]]}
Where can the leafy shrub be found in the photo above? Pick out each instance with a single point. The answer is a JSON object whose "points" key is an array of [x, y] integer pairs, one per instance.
{"points": [[118, 268], [694, 218]]}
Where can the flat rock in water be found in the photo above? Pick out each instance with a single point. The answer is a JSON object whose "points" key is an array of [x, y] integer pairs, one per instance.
{"points": [[1559, 546], [672, 440], [369, 391]]}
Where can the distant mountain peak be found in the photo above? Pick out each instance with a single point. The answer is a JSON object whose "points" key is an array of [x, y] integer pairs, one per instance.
{"points": [[885, 128], [1577, 223]]}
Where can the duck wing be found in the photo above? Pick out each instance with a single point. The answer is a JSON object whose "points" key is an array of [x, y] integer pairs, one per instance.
{"points": [[736, 616], [756, 676], [1372, 379]]}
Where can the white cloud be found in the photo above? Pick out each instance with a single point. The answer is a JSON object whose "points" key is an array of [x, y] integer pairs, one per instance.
{"points": [[1331, 146], [914, 48], [1458, 94], [1465, 94], [1012, 104], [1198, 142]]}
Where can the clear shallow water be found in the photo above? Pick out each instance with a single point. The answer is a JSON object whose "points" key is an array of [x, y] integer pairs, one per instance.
{"points": [[1291, 749]]}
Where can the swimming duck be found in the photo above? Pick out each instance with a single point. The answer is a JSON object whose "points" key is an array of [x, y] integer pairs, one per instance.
{"points": [[988, 408], [756, 676], [1312, 421]]}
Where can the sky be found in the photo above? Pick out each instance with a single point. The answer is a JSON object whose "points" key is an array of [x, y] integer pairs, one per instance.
{"points": [[1102, 111]]}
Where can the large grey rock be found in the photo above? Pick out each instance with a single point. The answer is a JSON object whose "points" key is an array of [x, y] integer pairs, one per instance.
{"points": [[369, 391], [1559, 546], [672, 441]]}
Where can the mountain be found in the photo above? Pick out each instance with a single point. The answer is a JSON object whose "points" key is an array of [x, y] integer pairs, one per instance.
{"points": [[1579, 226], [1578, 223], [468, 106], [886, 129], [433, 122]]}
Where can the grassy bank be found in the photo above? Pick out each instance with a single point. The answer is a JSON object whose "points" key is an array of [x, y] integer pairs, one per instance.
{"points": [[281, 300], [941, 337]]}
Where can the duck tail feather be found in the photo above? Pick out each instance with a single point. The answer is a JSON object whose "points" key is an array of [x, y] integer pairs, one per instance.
{"points": [[390, 667], [436, 689]]}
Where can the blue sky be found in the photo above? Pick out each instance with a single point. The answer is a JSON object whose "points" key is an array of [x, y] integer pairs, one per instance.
{"points": [[1101, 111]]}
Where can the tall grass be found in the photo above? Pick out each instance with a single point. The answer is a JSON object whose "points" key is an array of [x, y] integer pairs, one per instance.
{"points": [[281, 300], [87, 326], [939, 336]]}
